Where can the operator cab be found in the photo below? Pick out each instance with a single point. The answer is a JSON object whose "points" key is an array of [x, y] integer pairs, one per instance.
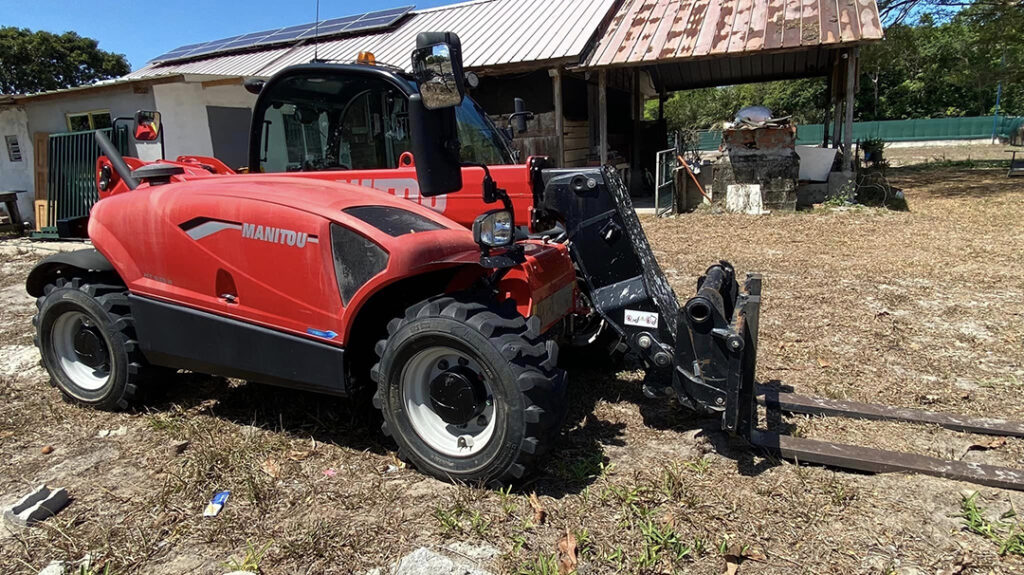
{"points": [[325, 117]]}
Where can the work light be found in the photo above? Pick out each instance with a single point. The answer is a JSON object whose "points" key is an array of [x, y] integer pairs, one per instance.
{"points": [[494, 229]]}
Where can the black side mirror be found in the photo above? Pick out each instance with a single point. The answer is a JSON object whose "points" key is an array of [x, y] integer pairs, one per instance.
{"points": [[437, 65], [254, 85], [147, 125], [517, 119], [437, 62], [520, 115]]}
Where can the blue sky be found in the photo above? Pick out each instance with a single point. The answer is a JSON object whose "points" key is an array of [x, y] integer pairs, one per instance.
{"points": [[144, 29]]}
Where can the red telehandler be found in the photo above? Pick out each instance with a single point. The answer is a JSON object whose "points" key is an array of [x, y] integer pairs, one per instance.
{"points": [[445, 297]]}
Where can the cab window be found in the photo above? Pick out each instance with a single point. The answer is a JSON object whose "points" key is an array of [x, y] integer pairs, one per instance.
{"points": [[355, 123]]}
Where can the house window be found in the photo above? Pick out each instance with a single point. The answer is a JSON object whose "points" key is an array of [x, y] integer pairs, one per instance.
{"points": [[13, 149], [94, 120]]}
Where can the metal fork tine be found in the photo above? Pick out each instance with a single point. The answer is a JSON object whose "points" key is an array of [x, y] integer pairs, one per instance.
{"points": [[795, 403], [880, 461]]}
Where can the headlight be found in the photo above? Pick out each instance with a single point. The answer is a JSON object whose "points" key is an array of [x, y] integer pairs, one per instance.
{"points": [[494, 229]]}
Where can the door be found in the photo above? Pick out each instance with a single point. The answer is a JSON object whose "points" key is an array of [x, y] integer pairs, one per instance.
{"points": [[229, 134], [40, 147]]}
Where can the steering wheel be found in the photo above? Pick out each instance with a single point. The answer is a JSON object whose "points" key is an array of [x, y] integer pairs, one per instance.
{"points": [[321, 166]]}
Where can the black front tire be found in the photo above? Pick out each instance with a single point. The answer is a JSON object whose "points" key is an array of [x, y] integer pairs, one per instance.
{"points": [[106, 309], [517, 364]]}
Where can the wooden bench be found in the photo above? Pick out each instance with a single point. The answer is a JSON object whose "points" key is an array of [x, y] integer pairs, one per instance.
{"points": [[10, 201]]}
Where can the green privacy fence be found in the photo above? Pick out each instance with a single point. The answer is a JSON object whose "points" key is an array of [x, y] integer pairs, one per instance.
{"points": [[929, 129], [71, 182]]}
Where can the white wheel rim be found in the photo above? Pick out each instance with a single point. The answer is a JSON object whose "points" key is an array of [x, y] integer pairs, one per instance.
{"points": [[62, 335], [446, 438]]}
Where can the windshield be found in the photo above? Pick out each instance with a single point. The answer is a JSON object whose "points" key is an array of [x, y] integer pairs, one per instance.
{"points": [[355, 122]]}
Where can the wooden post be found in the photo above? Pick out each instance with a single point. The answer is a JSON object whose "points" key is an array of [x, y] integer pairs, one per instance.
{"points": [[602, 113], [556, 81], [635, 169], [851, 83], [829, 98], [837, 110]]}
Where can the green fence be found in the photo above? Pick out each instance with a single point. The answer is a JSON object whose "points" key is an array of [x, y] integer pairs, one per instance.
{"points": [[930, 129], [71, 182]]}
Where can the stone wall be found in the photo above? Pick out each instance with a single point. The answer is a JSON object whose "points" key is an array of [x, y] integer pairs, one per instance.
{"points": [[765, 157]]}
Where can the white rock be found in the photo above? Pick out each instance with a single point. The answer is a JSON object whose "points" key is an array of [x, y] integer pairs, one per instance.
{"points": [[54, 568], [477, 553], [423, 561]]}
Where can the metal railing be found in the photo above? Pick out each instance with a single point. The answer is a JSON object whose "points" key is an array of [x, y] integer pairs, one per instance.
{"points": [[71, 176], [665, 182]]}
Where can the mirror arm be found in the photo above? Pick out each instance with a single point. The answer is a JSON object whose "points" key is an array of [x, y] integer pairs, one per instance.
{"points": [[514, 115], [492, 193]]}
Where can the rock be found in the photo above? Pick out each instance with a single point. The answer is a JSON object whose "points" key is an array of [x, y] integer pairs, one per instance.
{"points": [[177, 447], [240, 573], [36, 506], [968, 493], [119, 432], [480, 554], [54, 568], [423, 561], [46, 450]]}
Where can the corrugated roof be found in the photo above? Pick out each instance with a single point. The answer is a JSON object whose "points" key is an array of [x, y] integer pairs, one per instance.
{"points": [[246, 64], [659, 31], [493, 32]]}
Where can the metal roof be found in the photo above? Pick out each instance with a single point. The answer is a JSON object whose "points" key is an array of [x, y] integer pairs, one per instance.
{"points": [[661, 31], [494, 33]]}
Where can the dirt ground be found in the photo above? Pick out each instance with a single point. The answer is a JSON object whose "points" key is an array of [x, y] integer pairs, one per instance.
{"points": [[918, 308], [906, 154]]}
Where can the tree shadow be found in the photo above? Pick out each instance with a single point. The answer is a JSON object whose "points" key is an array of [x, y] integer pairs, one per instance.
{"points": [[349, 422], [576, 460], [956, 179]]}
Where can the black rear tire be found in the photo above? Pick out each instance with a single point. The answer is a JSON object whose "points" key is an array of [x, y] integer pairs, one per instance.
{"points": [[116, 366], [527, 390]]}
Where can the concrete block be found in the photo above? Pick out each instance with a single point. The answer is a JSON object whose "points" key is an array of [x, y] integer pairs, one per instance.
{"points": [[811, 193], [36, 506], [745, 199]]}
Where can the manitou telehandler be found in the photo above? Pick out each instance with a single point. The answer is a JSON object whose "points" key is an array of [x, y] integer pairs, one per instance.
{"points": [[448, 294]]}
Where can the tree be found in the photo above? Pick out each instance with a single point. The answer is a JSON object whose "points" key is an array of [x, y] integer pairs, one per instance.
{"points": [[707, 108], [949, 64], [41, 61], [948, 68]]}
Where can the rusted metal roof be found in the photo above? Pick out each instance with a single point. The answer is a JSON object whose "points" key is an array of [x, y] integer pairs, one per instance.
{"points": [[660, 31], [494, 34]]}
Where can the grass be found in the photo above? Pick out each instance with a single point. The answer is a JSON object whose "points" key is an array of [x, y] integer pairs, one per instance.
{"points": [[1004, 533], [251, 558], [662, 541], [627, 477], [458, 519], [544, 564]]}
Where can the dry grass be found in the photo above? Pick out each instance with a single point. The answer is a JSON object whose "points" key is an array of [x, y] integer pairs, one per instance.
{"points": [[917, 308]]}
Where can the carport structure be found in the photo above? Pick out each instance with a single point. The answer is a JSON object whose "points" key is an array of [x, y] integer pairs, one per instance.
{"points": [[687, 44]]}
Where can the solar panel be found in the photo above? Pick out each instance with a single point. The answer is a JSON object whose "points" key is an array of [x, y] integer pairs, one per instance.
{"points": [[370, 21]]}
